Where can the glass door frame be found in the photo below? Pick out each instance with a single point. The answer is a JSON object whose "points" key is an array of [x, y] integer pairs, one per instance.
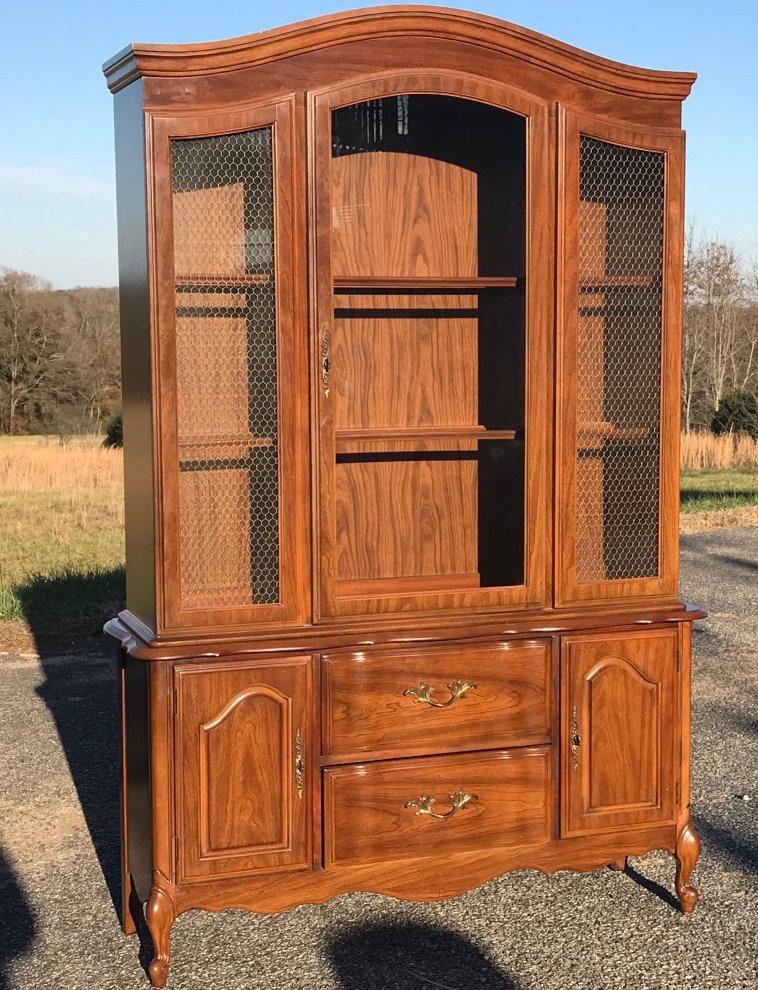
{"points": [[670, 142], [293, 606], [540, 198]]}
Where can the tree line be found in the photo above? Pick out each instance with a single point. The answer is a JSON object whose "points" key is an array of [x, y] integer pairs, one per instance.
{"points": [[60, 369], [59, 349]]}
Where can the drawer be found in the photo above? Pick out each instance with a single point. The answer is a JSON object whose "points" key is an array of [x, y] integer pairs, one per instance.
{"points": [[436, 699], [438, 805]]}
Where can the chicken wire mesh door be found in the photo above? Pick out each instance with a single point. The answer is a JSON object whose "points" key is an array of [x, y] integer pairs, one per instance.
{"points": [[618, 446], [226, 365], [234, 462]]}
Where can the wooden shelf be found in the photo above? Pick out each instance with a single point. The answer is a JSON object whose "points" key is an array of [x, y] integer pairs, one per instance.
{"points": [[249, 439], [361, 283], [426, 433], [414, 585], [210, 283], [209, 448], [591, 436], [614, 281]]}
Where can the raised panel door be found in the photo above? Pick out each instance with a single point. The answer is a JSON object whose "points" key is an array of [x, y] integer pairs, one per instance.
{"points": [[619, 730], [243, 745]]}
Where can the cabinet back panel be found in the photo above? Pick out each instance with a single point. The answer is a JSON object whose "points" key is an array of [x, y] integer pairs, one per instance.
{"points": [[396, 214], [426, 527], [404, 367]]}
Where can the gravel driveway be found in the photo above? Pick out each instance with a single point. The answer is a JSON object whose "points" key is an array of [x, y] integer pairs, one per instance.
{"points": [[59, 856]]}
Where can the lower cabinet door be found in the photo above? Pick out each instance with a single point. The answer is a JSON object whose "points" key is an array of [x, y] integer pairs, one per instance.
{"points": [[242, 750], [620, 723], [437, 806]]}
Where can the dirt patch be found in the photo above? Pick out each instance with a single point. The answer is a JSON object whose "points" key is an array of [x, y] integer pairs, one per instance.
{"points": [[42, 833], [16, 637], [702, 522]]}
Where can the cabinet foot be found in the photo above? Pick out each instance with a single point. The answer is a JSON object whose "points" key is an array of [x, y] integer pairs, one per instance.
{"points": [[131, 909], [687, 853], [618, 864], [160, 915]]}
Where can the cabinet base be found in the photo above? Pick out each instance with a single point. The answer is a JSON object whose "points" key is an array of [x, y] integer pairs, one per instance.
{"points": [[415, 879]]}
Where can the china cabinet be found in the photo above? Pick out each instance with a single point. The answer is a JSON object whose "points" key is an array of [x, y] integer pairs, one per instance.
{"points": [[401, 317]]}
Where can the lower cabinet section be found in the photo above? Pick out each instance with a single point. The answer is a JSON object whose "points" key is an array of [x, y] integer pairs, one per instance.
{"points": [[437, 806], [243, 793], [619, 729], [263, 791]]}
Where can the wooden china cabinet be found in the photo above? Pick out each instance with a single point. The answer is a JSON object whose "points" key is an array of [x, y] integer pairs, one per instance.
{"points": [[401, 311]]}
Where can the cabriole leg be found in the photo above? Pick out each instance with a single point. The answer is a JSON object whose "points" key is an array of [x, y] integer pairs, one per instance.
{"points": [[687, 853], [160, 915]]}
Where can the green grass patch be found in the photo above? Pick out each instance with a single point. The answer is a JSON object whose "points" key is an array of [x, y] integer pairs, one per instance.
{"points": [[728, 488], [62, 560]]}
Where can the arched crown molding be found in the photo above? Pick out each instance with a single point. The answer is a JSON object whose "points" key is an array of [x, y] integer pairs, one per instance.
{"points": [[156, 61]]}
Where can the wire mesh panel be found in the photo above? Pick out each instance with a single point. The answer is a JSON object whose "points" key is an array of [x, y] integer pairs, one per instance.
{"points": [[226, 369], [619, 361]]}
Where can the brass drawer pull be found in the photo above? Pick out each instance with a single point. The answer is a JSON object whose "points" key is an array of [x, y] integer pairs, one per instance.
{"points": [[423, 693], [423, 804], [299, 764], [576, 739]]}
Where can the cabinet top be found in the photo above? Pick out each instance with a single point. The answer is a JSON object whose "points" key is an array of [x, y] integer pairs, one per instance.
{"points": [[141, 60]]}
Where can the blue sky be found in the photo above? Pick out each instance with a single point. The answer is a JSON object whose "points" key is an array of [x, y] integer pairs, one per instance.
{"points": [[57, 198]]}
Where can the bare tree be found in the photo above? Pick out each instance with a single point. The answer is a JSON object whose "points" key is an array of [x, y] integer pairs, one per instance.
{"points": [[720, 340]]}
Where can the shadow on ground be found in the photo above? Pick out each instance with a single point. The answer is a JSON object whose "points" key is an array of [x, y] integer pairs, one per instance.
{"points": [[17, 921], [65, 616], [412, 957]]}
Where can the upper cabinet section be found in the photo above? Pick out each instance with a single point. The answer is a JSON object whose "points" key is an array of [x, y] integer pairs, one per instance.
{"points": [[359, 380]]}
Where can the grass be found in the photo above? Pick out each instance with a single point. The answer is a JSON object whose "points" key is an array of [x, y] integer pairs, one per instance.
{"points": [[707, 490], [702, 450], [61, 534]]}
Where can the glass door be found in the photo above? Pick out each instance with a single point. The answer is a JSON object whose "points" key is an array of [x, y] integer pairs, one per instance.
{"points": [[424, 277]]}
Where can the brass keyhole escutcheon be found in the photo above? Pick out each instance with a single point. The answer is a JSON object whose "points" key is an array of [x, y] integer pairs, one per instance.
{"points": [[326, 364], [576, 739]]}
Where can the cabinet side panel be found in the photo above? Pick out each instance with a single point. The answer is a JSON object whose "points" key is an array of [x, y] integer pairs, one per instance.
{"points": [[135, 705], [135, 352]]}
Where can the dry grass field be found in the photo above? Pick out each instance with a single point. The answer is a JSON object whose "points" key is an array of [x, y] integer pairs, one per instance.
{"points": [[701, 449], [61, 526], [719, 481]]}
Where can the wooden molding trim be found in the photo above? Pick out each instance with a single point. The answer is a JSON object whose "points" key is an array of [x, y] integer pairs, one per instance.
{"points": [[416, 879], [491, 33], [139, 643]]}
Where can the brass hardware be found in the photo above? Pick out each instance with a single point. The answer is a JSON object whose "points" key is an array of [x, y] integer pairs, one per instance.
{"points": [[423, 804], [458, 689], [576, 739], [326, 364], [299, 764]]}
